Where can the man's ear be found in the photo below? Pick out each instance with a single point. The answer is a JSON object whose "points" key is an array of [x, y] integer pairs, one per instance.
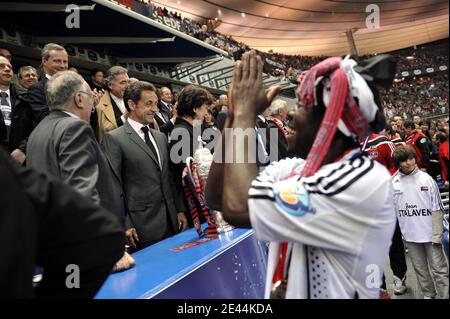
{"points": [[78, 100]]}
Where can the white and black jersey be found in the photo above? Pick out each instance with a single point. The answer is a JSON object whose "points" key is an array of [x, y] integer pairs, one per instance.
{"points": [[340, 222], [416, 197]]}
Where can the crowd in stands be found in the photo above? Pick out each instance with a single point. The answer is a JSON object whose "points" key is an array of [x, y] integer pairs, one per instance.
{"points": [[430, 55], [425, 96], [288, 66]]}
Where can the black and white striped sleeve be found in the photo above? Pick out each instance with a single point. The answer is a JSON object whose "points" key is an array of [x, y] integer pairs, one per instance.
{"points": [[333, 209]]}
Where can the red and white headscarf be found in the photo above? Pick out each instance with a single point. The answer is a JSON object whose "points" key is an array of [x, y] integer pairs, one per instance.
{"points": [[342, 87]]}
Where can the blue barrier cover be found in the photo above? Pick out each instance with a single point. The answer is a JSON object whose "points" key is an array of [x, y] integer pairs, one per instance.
{"points": [[231, 266]]}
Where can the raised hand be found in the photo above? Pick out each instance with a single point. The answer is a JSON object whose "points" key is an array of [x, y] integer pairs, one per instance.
{"points": [[97, 96], [247, 95]]}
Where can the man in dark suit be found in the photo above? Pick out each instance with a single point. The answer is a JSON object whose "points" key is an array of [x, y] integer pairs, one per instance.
{"points": [[96, 84], [277, 116], [6, 54], [166, 114], [165, 103], [63, 144], [48, 224], [96, 81], [140, 159], [54, 59], [263, 136], [28, 76], [15, 115], [222, 109]]}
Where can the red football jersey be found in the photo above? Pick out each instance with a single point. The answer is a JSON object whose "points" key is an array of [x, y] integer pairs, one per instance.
{"points": [[418, 140], [380, 149], [443, 153]]}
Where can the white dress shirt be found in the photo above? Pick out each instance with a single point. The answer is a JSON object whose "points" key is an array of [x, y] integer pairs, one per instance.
{"points": [[71, 114], [121, 105], [137, 128], [119, 102], [6, 109]]}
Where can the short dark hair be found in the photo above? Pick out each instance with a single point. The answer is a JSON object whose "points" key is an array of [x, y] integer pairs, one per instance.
{"points": [[192, 97], [94, 71], [389, 128], [409, 124], [134, 90], [402, 154], [441, 136], [213, 113]]}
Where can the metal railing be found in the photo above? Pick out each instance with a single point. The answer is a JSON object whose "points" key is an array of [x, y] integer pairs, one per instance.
{"points": [[444, 198]]}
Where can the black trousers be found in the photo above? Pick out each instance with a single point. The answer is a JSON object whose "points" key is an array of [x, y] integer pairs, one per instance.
{"points": [[396, 256]]}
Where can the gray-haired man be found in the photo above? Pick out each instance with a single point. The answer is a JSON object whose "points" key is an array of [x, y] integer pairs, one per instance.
{"points": [[28, 76], [54, 59], [63, 144], [111, 108]]}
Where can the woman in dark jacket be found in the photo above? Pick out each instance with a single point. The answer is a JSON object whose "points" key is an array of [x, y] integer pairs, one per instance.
{"points": [[193, 104]]}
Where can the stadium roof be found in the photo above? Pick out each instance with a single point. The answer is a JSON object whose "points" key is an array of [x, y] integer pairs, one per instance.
{"points": [[317, 27], [104, 25]]}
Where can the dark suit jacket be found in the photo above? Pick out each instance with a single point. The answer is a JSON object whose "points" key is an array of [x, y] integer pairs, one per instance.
{"points": [[264, 132], [165, 111], [21, 119], [182, 145], [149, 190], [94, 85], [38, 100], [282, 141], [65, 147], [164, 126], [220, 120], [50, 225]]}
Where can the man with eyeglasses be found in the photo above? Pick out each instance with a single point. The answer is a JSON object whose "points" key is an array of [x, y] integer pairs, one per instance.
{"points": [[27, 76], [15, 115], [63, 145]]}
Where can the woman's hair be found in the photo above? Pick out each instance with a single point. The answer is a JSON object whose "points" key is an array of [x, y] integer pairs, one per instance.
{"points": [[402, 154], [213, 115], [192, 97]]}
